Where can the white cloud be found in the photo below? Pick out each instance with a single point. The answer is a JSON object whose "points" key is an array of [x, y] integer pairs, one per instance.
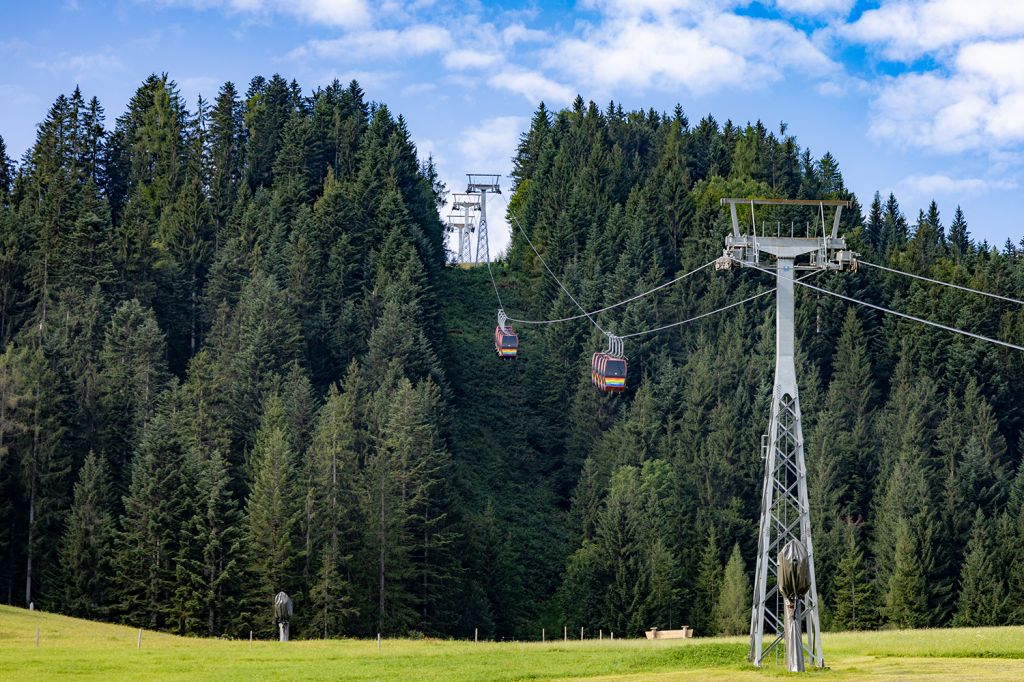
{"points": [[533, 85], [17, 95], [81, 65], [369, 80], [517, 33], [975, 103], [710, 51], [413, 41], [329, 12], [470, 59], [904, 30], [815, 7], [418, 88], [929, 186], [489, 146], [638, 8], [193, 86]]}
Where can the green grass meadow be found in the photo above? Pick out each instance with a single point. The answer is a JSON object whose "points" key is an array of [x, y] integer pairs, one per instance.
{"points": [[82, 650]]}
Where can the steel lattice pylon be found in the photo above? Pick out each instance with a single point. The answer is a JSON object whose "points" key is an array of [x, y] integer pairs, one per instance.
{"points": [[482, 185], [466, 221], [465, 246], [785, 511], [483, 249]]}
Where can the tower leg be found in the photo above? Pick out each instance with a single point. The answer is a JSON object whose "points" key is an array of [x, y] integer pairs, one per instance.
{"points": [[785, 511], [483, 250]]}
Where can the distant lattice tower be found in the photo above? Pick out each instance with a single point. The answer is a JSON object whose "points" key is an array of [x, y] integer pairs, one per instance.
{"points": [[466, 222], [785, 512], [482, 184]]}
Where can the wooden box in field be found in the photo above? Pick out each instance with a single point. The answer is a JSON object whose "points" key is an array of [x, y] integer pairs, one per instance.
{"points": [[655, 633]]}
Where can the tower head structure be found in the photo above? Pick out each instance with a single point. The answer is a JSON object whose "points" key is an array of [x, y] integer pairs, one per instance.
{"points": [[466, 208], [483, 184]]}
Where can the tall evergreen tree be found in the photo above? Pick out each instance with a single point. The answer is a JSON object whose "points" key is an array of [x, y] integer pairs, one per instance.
{"points": [[709, 581], [982, 590], [852, 597], [732, 611], [86, 551], [905, 599], [273, 510], [155, 510]]}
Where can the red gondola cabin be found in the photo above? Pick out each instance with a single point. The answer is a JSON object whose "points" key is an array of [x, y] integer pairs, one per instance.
{"points": [[608, 373], [506, 342]]}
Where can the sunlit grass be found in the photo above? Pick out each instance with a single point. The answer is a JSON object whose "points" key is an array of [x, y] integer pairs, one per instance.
{"points": [[71, 648]]}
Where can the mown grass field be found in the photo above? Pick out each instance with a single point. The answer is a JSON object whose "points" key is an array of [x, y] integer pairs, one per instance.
{"points": [[81, 650]]}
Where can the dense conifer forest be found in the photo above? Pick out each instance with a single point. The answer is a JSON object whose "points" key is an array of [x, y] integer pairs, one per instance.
{"points": [[236, 360]]}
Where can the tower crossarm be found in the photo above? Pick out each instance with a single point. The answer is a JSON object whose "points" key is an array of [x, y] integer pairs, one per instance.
{"points": [[483, 182], [746, 245], [463, 201]]}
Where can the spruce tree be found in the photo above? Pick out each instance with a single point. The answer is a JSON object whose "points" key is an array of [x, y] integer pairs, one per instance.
{"points": [[273, 510], [618, 537], [709, 581], [905, 599], [155, 512], [732, 611], [86, 550], [959, 236], [6, 173], [45, 468], [852, 597], [133, 372], [211, 568], [982, 589], [331, 500]]}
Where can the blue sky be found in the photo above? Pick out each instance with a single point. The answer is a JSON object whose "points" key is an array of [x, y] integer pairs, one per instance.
{"points": [[921, 97]]}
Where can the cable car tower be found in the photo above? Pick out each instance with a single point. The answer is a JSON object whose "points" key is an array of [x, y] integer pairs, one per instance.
{"points": [[466, 223], [481, 185], [785, 512]]}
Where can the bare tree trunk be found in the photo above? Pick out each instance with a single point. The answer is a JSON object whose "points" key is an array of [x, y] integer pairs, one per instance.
{"points": [[31, 540], [380, 605], [192, 340], [30, 549]]}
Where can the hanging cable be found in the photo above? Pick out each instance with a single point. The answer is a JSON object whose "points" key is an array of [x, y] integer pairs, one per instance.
{"points": [[620, 303], [713, 312], [913, 318], [698, 317], [494, 283], [544, 263], [945, 284]]}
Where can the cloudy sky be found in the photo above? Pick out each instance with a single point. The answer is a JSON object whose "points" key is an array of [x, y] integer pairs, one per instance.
{"points": [[924, 98]]}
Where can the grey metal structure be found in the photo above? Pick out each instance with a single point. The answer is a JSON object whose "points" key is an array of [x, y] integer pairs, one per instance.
{"points": [[785, 512], [482, 184], [283, 611], [794, 581], [466, 223]]}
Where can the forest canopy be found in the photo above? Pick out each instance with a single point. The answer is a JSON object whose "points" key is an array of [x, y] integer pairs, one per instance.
{"points": [[236, 360]]}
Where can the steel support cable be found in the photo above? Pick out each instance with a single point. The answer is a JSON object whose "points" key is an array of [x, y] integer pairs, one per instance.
{"points": [[620, 303], [945, 284], [709, 314], [583, 310], [698, 317], [493, 283], [913, 318]]}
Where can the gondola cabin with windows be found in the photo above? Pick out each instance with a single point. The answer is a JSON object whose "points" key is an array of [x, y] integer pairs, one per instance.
{"points": [[506, 342], [608, 372]]}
